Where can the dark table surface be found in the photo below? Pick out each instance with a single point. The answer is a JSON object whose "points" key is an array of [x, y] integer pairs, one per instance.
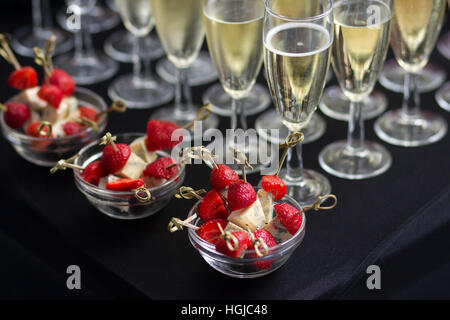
{"points": [[399, 221]]}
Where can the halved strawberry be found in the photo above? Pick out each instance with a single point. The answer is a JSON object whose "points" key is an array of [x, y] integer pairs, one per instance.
{"points": [[88, 113], [210, 230], [63, 81], [33, 130], [72, 127], [52, 94], [125, 184], [222, 177], [212, 207], [115, 160], [23, 78], [240, 195], [274, 185], [93, 172], [159, 135], [16, 114], [269, 240], [243, 244], [158, 169], [289, 217]]}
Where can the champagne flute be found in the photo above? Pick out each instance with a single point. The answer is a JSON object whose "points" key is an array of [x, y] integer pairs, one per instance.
{"points": [[362, 30], [297, 58], [415, 28], [180, 29], [26, 38], [120, 45], [85, 64], [139, 89]]}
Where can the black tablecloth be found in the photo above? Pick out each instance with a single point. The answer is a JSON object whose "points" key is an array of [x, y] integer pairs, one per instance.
{"points": [[399, 220]]}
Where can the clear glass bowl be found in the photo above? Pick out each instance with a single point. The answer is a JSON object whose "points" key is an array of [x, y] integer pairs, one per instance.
{"points": [[123, 204], [47, 151], [247, 267]]}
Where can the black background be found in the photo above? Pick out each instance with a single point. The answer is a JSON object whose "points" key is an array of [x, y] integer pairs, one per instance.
{"points": [[400, 221]]}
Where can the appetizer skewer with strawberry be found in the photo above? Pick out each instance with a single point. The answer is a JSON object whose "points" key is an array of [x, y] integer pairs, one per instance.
{"points": [[236, 218], [52, 103]]}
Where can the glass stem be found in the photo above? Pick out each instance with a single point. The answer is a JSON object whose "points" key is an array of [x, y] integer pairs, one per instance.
{"points": [[411, 97], [142, 71], [238, 119], [183, 97], [83, 39], [42, 21], [295, 163], [355, 137]]}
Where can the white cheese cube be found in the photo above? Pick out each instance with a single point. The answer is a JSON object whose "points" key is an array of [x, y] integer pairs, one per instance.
{"points": [[31, 99], [68, 109], [57, 129], [278, 231], [140, 149], [133, 168], [250, 218], [266, 200], [233, 228]]}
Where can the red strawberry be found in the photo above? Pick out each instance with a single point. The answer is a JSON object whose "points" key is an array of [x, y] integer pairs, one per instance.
{"points": [[274, 185], [212, 207], [125, 184], [270, 241], [72, 127], [63, 81], [222, 177], [33, 130], [159, 135], [240, 195], [243, 244], [52, 94], [158, 169], [210, 231], [23, 78], [289, 217], [94, 172], [88, 113], [16, 114], [115, 160]]}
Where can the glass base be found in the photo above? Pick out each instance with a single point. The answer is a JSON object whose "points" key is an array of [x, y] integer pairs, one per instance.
{"points": [[444, 45], [88, 70], [396, 128], [201, 72], [24, 40], [306, 190], [182, 118], [151, 93], [443, 96], [252, 149], [120, 46], [102, 19], [337, 106], [258, 100], [341, 161], [430, 78], [270, 120]]}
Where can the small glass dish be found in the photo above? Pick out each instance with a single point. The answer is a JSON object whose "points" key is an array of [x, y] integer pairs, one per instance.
{"points": [[124, 204], [247, 267], [44, 151]]}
